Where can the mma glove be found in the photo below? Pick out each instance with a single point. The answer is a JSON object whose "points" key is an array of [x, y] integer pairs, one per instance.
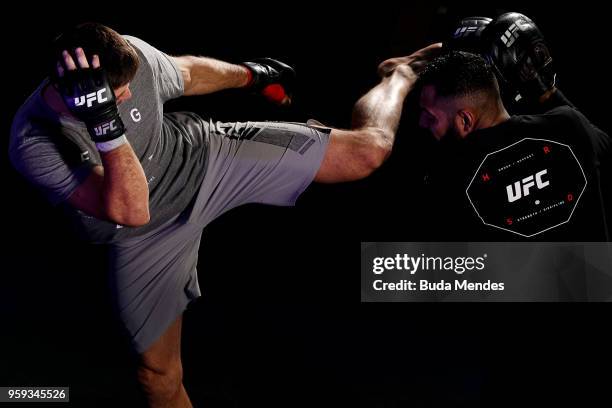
{"points": [[90, 98], [467, 36], [271, 78]]}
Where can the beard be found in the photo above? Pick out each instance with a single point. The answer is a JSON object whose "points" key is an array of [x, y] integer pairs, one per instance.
{"points": [[450, 140]]}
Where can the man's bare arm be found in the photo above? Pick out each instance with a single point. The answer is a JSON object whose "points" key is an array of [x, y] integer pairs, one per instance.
{"points": [[203, 75], [116, 191]]}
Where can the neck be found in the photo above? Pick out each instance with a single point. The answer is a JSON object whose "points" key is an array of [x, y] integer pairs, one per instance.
{"points": [[500, 115]]}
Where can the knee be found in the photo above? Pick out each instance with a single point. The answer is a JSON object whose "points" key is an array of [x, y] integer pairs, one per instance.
{"points": [[376, 145], [160, 385], [382, 144]]}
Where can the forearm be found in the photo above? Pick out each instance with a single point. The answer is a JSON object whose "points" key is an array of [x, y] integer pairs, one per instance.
{"points": [[381, 107], [204, 75], [125, 193]]}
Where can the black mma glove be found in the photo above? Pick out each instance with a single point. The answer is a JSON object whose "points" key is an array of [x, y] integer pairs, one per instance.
{"points": [[271, 78], [90, 98], [467, 36]]}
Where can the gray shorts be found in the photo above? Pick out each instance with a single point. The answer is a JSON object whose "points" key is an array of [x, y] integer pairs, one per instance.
{"points": [[154, 277]]}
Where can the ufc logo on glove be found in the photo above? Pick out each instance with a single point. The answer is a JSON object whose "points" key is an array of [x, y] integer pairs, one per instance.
{"points": [[90, 98], [103, 129]]}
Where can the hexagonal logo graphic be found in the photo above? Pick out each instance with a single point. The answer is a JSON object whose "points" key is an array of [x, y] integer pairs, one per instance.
{"points": [[527, 188]]}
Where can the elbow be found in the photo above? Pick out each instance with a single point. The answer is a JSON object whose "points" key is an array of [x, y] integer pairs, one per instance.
{"points": [[136, 220], [375, 153], [130, 217]]}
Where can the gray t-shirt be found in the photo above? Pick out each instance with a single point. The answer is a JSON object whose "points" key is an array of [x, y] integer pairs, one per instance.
{"points": [[56, 154]]}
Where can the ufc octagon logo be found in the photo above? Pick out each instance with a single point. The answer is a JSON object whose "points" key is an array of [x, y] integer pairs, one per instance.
{"points": [[528, 187]]}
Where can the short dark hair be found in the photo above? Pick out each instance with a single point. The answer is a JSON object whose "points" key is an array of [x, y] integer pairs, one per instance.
{"points": [[459, 73], [118, 58]]}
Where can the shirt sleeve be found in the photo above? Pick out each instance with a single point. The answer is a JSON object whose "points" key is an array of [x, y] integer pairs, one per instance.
{"points": [[166, 74], [38, 159]]}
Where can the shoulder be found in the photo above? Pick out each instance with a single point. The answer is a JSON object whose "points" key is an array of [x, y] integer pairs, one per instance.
{"points": [[154, 59], [563, 112], [144, 49], [148, 54], [136, 42], [564, 118], [28, 118]]}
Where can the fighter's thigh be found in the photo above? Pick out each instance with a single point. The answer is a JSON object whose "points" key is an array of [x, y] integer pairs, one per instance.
{"points": [[258, 162]]}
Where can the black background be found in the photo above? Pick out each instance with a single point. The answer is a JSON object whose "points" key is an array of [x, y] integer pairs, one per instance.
{"points": [[280, 322]]}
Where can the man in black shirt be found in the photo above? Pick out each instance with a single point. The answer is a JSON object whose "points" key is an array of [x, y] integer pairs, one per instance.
{"points": [[505, 177]]}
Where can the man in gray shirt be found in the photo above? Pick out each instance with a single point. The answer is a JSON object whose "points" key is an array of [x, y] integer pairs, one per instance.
{"points": [[146, 182]]}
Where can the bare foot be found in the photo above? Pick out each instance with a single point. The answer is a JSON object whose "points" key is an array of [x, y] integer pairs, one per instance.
{"points": [[417, 60]]}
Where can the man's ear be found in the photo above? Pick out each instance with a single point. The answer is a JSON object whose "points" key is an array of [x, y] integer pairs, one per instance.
{"points": [[465, 122]]}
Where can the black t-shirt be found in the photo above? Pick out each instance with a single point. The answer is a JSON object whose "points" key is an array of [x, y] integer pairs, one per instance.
{"points": [[533, 177]]}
